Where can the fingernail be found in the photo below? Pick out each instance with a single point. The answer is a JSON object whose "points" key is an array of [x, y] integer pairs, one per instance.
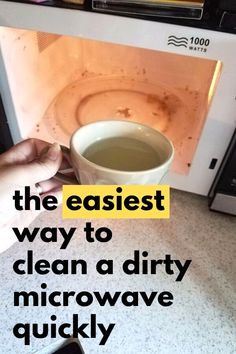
{"points": [[54, 152]]}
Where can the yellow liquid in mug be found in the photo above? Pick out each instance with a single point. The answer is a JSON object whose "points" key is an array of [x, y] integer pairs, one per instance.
{"points": [[123, 153]]}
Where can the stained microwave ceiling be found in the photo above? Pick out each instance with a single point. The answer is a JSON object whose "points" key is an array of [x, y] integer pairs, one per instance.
{"points": [[45, 40]]}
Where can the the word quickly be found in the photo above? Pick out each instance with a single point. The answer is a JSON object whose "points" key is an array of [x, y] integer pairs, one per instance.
{"points": [[91, 329]]}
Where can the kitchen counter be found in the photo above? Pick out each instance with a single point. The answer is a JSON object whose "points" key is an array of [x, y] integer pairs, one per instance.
{"points": [[202, 318]]}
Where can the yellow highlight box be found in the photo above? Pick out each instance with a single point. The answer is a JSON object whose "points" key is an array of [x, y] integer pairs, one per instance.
{"points": [[116, 202]]}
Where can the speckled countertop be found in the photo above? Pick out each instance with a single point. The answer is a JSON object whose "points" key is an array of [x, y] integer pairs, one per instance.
{"points": [[202, 318]]}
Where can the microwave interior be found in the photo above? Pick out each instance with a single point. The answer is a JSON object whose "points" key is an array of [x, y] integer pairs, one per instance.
{"points": [[59, 83]]}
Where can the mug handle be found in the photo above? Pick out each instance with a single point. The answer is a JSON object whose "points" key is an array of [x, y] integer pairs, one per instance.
{"points": [[60, 175]]}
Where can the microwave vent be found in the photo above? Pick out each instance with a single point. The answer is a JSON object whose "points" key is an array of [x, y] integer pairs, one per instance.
{"points": [[45, 40]]}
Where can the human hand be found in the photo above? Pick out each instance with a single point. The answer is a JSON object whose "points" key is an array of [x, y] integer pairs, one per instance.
{"points": [[31, 163]]}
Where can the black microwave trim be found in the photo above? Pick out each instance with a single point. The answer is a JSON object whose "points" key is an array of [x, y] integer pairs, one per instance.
{"points": [[222, 194], [5, 136], [218, 15]]}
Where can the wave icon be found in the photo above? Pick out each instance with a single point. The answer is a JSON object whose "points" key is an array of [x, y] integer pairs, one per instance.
{"points": [[178, 41]]}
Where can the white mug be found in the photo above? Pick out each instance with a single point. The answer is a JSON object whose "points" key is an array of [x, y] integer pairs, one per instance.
{"points": [[88, 172]]}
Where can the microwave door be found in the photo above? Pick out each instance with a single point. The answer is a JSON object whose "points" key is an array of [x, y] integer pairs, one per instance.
{"points": [[186, 9]]}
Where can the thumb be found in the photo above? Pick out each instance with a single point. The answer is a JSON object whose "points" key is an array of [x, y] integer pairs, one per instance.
{"points": [[45, 167]]}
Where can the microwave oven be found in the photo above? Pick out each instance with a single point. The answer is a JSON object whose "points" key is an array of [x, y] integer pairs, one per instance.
{"points": [[61, 68]]}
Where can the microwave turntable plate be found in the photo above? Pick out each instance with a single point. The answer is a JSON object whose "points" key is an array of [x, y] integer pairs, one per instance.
{"points": [[93, 99], [172, 111]]}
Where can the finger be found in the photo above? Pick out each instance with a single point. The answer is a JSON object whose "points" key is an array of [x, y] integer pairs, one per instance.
{"points": [[24, 152], [45, 167], [50, 185], [39, 170]]}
